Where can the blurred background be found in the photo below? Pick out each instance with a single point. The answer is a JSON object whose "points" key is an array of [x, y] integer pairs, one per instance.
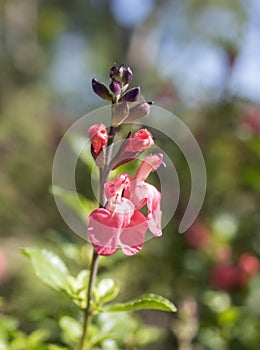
{"points": [[201, 61]]}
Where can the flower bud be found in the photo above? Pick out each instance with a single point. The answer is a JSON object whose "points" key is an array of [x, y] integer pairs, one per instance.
{"points": [[120, 113], [131, 95], [127, 75], [101, 90], [122, 74], [138, 111], [113, 71], [115, 86], [139, 141], [132, 147], [98, 136]]}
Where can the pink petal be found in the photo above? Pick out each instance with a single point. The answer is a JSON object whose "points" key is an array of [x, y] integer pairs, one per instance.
{"points": [[116, 186], [140, 141], [122, 210], [98, 136], [154, 223], [103, 231], [142, 193], [150, 163], [132, 237]]}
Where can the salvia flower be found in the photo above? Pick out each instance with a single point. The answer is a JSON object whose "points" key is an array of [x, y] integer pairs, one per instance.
{"points": [[139, 141], [120, 223], [99, 137], [117, 225], [132, 147], [150, 163]]}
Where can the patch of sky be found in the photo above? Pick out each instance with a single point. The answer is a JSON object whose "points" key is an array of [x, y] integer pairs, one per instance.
{"points": [[69, 73], [131, 13]]}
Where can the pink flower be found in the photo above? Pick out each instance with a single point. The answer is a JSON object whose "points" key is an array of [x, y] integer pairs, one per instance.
{"points": [[121, 224], [117, 225], [249, 264], [132, 147], [226, 277], [98, 136], [139, 141], [150, 163], [142, 193]]}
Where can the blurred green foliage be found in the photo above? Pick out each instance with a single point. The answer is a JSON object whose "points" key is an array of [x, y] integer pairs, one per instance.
{"points": [[49, 51]]}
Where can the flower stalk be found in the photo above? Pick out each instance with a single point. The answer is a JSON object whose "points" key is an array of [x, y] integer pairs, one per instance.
{"points": [[87, 311], [118, 218]]}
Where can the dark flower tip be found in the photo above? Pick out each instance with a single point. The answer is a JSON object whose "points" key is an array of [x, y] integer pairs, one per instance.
{"points": [[101, 90], [131, 95], [115, 86], [123, 74], [127, 75], [113, 70]]}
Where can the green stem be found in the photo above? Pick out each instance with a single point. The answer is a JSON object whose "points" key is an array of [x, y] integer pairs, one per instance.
{"points": [[87, 311], [103, 178]]}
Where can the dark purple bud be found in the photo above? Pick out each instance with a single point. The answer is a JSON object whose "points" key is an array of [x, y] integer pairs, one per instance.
{"points": [[113, 71], [131, 95], [127, 75], [101, 90], [121, 71], [115, 87]]}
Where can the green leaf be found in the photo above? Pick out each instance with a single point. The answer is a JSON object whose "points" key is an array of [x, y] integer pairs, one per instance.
{"points": [[106, 290], [78, 288], [72, 329], [48, 267], [56, 347], [37, 337], [148, 301], [80, 204]]}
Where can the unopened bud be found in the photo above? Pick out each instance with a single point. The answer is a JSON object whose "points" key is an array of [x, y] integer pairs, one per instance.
{"points": [[101, 90], [127, 75], [138, 111], [131, 95], [122, 74], [115, 87], [113, 71], [99, 137], [120, 113]]}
